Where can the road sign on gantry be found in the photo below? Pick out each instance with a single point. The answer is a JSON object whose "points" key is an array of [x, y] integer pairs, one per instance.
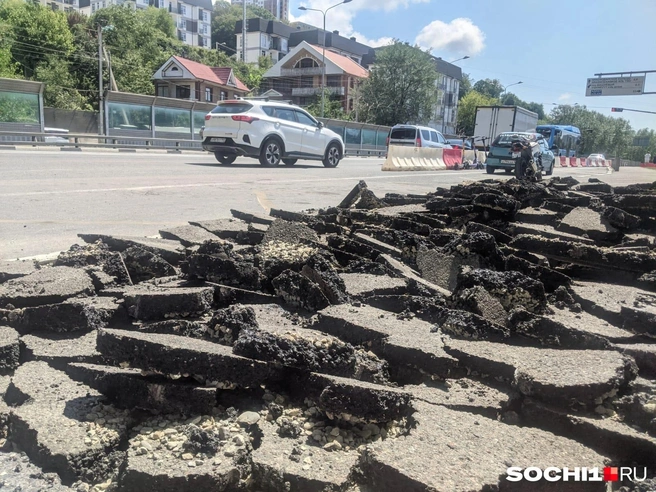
{"points": [[615, 86]]}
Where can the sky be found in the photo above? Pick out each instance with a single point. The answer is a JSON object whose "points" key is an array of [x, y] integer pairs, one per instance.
{"points": [[552, 46]]}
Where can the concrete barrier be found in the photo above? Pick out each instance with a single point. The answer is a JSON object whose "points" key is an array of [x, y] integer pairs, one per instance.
{"points": [[404, 158], [468, 155], [651, 165], [563, 161], [574, 162]]}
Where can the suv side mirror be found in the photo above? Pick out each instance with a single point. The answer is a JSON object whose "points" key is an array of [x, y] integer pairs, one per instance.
{"points": [[319, 125]]}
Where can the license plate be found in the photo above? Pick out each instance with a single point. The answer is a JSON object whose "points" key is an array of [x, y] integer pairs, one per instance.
{"points": [[218, 140], [507, 162], [515, 155]]}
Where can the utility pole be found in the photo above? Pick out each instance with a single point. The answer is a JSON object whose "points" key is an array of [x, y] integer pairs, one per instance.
{"points": [[244, 30], [101, 122]]}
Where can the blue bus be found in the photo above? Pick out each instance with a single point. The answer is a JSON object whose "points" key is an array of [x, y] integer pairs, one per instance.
{"points": [[566, 138]]}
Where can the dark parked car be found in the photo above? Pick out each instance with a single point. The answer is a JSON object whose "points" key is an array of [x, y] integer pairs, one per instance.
{"points": [[458, 143]]}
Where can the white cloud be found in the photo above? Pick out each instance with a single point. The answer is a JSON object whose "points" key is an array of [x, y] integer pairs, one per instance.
{"points": [[565, 97], [459, 37], [341, 18]]}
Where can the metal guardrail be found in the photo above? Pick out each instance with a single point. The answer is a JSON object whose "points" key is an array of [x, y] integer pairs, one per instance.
{"points": [[81, 140], [74, 140]]}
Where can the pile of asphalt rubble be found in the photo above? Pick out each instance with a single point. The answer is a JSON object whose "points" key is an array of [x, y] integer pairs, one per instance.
{"points": [[411, 342]]}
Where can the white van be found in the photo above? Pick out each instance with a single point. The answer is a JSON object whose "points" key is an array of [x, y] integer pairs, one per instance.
{"points": [[417, 136]]}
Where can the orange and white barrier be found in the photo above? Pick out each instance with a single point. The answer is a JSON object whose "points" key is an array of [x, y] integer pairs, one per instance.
{"points": [[563, 161]]}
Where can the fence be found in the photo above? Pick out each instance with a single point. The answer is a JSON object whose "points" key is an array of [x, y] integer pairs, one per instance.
{"points": [[135, 120]]}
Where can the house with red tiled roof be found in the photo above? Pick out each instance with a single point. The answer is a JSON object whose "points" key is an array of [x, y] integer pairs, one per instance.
{"points": [[180, 78], [298, 75]]}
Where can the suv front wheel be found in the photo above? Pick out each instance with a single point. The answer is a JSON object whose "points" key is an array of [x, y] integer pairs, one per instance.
{"points": [[331, 159], [271, 153]]}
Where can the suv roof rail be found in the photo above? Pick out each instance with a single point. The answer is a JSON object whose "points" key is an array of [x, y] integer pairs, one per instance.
{"points": [[254, 98]]}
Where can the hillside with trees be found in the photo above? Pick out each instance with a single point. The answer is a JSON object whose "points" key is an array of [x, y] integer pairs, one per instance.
{"points": [[61, 49]]}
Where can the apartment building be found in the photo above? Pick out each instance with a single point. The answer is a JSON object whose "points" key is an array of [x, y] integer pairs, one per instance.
{"points": [[193, 18], [266, 38], [67, 5], [448, 86], [278, 8]]}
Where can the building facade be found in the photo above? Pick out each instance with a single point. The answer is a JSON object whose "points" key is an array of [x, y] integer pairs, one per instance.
{"points": [[192, 18], [180, 78], [273, 39], [278, 8], [447, 86], [263, 38], [298, 76]]}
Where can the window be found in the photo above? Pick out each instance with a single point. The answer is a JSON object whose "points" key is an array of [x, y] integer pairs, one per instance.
{"points": [[224, 95], [306, 63], [208, 94], [18, 107], [284, 46], [425, 135], [232, 108], [434, 137], [182, 92], [285, 114], [172, 120], [163, 91], [199, 121], [305, 119], [183, 9], [269, 110], [128, 116]]}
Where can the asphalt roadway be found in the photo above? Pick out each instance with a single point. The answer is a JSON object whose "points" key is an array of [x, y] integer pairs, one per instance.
{"points": [[48, 197]]}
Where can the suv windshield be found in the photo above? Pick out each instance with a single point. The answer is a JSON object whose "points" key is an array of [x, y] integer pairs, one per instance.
{"points": [[505, 139], [404, 133], [232, 108]]}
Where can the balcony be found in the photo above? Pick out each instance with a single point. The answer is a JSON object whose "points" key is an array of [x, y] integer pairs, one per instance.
{"points": [[311, 91], [297, 72]]}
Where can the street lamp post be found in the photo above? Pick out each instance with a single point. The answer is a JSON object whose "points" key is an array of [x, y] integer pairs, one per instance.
{"points": [[323, 56], [463, 58], [510, 85]]}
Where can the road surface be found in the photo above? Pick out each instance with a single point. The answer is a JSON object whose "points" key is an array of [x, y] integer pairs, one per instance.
{"points": [[48, 197]]}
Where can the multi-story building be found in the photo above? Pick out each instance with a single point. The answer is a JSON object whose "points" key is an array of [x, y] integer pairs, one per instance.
{"points": [[67, 5], [274, 40], [298, 76], [263, 38], [278, 8], [193, 18], [448, 87]]}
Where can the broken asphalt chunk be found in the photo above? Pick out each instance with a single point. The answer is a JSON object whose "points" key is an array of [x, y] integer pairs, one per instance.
{"points": [[46, 286], [408, 464], [58, 425], [188, 235], [128, 388], [146, 304], [9, 349], [556, 376], [174, 355]]}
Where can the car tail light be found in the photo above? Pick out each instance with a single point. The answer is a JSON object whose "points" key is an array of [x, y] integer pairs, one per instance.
{"points": [[208, 117], [245, 118], [419, 142]]}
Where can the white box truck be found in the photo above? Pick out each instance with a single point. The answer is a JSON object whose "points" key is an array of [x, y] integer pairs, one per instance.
{"points": [[493, 120]]}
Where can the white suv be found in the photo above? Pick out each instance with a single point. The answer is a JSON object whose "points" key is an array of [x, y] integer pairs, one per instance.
{"points": [[270, 131]]}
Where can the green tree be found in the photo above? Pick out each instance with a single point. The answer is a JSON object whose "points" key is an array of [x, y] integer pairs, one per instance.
{"points": [[400, 87], [333, 108], [60, 90], [465, 86], [35, 32], [511, 99], [489, 87], [467, 110], [225, 18]]}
